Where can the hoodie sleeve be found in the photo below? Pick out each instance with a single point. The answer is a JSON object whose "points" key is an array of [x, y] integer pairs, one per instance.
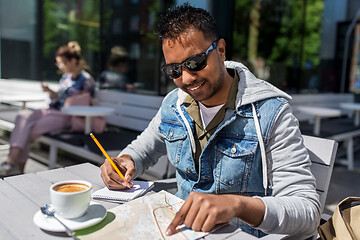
{"points": [[147, 148], [294, 206]]}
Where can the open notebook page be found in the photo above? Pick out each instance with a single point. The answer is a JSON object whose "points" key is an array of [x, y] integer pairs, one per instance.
{"points": [[139, 188]]}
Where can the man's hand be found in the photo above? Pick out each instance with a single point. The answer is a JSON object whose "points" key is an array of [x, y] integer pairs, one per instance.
{"points": [[203, 211], [111, 178]]}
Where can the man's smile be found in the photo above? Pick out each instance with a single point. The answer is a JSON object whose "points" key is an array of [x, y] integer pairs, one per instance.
{"points": [[196, 87]]}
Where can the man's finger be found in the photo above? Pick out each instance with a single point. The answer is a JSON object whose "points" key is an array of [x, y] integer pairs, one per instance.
{"points": [[200, 218], [179, 217], [111, 178], [209, 224], [128, 170], [191, 215], [109, 182]]}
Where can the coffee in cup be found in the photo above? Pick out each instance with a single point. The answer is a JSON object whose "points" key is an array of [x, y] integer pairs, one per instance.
{"points": [[71, 198], [71, 187]]}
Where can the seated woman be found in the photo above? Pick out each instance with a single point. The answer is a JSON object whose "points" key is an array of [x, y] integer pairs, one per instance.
{"points": [[30, 124]]}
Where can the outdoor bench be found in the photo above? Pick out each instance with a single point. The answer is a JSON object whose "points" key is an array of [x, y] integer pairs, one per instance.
{"points": [[132, 114]]}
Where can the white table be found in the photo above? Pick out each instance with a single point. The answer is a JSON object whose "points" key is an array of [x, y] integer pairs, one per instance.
{"points": [[318, 113], [23, 99], [21, 197], [87, 112], [354, 107]]}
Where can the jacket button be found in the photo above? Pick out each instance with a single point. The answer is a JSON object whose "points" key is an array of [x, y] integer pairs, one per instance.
{"points": [[188, 170], [233, 149], [172, 133]]}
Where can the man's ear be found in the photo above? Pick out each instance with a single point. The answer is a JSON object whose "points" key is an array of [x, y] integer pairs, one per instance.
{"points": [[221, 49]]}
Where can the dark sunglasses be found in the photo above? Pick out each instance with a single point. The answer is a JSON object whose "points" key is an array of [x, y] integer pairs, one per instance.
{"points": [[193, 63]]}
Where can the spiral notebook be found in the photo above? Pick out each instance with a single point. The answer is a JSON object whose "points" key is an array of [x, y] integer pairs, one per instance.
{"points": [[121, 196]]}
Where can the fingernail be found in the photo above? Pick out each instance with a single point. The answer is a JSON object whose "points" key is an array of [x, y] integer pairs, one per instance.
{"points": [[168, 232]]}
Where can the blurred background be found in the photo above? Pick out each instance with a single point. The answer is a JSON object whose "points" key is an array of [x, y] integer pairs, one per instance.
{"points": [[297, 45]]}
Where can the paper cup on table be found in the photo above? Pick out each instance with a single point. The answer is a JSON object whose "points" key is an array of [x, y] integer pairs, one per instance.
{"points": [[71, 198]]}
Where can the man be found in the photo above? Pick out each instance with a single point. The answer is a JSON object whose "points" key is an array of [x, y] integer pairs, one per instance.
{"points": [[237, 149]]}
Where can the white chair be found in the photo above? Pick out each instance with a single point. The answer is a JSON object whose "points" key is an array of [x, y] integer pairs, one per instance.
{"points": [[322, 155]]}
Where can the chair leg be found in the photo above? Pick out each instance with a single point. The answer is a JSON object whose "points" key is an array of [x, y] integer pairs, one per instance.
{"points": [[350, 154], [52, 156]]}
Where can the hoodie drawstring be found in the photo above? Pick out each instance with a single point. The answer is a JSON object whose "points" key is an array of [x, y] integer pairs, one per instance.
{"points": [[262, 148], [188, 128]]}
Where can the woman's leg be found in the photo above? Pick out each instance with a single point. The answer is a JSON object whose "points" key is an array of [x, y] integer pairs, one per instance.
{"points": [[19, 136], [28, 126], [51, 121], [14, 155]]}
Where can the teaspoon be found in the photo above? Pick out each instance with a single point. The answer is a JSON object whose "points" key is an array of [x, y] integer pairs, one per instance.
{"points": [[49, 210]]}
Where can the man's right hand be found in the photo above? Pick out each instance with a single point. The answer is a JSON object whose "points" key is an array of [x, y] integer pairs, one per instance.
{"points": [[111, 178]]}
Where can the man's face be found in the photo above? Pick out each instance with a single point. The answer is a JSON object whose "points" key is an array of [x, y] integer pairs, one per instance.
{"points": [[206, 85]]}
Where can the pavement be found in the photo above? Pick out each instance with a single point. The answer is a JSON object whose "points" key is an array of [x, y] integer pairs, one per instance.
{"points": [[343, 182]]}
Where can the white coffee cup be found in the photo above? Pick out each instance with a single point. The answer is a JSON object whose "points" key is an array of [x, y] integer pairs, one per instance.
{"points": [[71, 198]]}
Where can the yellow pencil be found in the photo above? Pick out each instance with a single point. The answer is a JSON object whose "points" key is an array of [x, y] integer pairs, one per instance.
{"points": [[108, 157]]}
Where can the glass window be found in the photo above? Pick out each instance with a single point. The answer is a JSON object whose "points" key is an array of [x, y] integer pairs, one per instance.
{"points": [[67, 20], [19, 41], [279, 40], [297, 45], [30, 36], [137, 43]]}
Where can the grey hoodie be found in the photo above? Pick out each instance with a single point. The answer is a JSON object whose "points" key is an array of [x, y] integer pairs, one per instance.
{"points": [[294, 207]]}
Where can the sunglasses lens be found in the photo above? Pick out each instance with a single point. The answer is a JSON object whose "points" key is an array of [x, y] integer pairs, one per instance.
{"points": [[172, 71], [196, 63]]}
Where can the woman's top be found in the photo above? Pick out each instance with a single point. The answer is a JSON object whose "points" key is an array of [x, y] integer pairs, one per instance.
{"points": [[83, 82]]}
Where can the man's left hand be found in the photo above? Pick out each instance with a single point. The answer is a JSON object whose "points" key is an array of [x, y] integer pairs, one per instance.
{"points": [[203, 211]]}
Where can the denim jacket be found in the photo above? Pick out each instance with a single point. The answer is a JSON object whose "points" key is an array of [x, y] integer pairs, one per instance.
{"points": [[231, 162]]}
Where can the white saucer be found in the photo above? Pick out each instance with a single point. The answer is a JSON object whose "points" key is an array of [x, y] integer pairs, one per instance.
{"points": [[94, 215]]}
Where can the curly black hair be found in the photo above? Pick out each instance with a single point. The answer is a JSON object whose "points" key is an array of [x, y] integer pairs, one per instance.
{"points": [[182, 18]]}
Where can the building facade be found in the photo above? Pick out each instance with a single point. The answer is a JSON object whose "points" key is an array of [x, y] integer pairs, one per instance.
{"points": [[297, 45]]}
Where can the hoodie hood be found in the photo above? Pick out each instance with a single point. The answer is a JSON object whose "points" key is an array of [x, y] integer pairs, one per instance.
{"points": [[251, 89]]}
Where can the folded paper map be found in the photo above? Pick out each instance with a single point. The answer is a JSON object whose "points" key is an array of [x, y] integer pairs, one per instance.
{"points": [[146, 217]]}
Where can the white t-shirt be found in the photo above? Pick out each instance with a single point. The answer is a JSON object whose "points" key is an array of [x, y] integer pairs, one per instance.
{"points": [[208, 113]]}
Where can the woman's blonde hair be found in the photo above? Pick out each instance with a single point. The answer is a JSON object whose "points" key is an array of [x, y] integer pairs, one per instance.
{"points": [[72, 50]]}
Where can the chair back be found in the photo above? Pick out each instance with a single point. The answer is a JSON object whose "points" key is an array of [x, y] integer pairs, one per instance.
{"points": [[322, 154]]}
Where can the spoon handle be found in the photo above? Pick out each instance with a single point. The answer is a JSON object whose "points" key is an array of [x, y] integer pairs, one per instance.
{"points": [[67, 230]]}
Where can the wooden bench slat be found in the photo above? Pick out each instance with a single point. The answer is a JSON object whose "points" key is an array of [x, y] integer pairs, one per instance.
{"points": [[132, 111], [130, 99]]}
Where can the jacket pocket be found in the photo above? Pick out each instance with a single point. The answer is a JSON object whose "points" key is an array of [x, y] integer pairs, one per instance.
{"points": [[234, 157], [174, 135]]}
